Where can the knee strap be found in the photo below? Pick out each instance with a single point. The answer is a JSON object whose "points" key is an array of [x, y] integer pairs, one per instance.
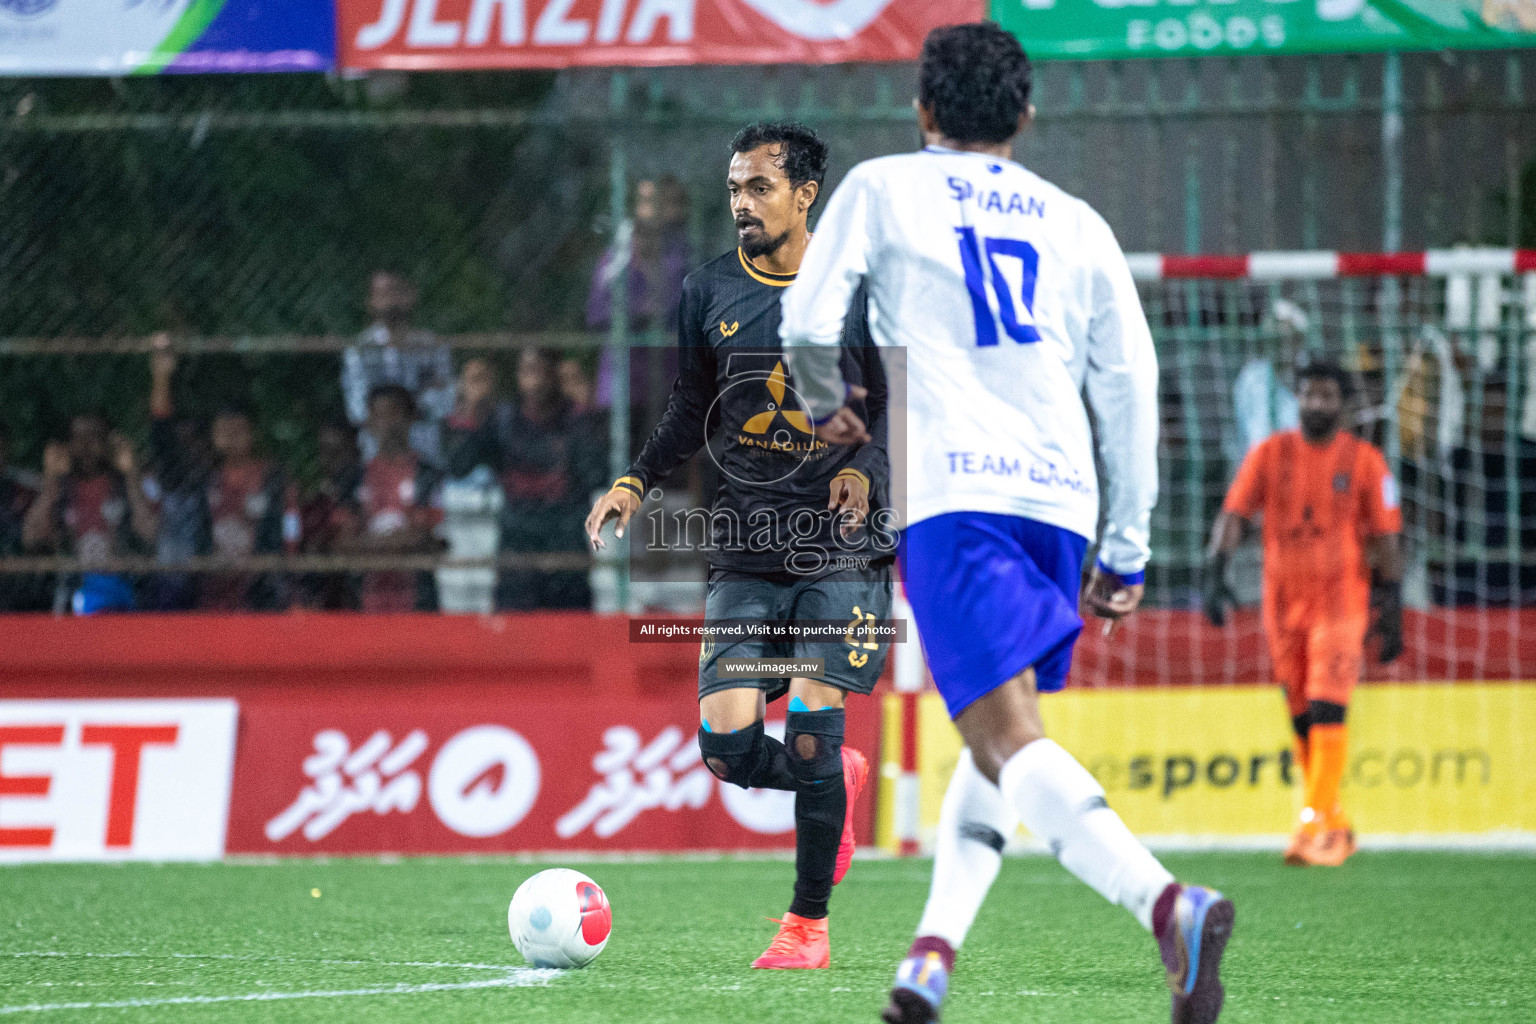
{"points": [[814, 741], [747, 758], [730, 756]]}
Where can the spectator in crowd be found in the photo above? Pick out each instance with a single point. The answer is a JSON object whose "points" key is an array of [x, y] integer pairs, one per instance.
{"points": [[590, 419], [93, 505], [480, 422], [549, 464], [1432, 399], [1490, 503], [321, 514], [1431, 404], [472, 498], [392, 351], [393, 510], [652, 250], [252, 510], [181, 469], [576, 385], [18, 489], [249, 508], [1263, 400]]}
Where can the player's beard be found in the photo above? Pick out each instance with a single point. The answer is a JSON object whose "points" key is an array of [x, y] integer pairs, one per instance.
{"points": [[1319, 426], [759, 243]]}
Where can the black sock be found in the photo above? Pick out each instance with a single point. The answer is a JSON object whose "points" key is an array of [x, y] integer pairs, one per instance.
{"points": [[814, 742]]}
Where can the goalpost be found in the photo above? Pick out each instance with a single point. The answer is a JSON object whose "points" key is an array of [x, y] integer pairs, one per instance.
{"points": [[1175, 716]]}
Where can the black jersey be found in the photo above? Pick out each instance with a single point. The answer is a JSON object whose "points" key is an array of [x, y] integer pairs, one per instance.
{"points": [[733, 393]]}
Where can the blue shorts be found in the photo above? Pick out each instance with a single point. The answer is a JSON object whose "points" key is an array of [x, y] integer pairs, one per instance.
{"points": [[993, 595]]}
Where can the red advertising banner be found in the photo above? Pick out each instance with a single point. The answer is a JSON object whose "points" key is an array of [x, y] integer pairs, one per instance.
{"points": [[420, 35], [114, 779], [396, 734]]}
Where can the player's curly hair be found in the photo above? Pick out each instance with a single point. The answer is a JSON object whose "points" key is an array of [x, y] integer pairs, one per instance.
{"points": [[1323, 368], [975, 80], [805, 154]]}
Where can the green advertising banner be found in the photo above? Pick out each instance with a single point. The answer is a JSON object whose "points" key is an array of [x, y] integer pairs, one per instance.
{"points": [[1087, 29]]}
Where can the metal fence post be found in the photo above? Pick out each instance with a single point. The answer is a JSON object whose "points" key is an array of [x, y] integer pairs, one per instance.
{"points": [[1392, 152], [618, 321], [1391, 235]]}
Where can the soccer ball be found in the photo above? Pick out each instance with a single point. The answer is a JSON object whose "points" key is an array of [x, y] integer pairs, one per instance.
{"points": [[559, 918]]}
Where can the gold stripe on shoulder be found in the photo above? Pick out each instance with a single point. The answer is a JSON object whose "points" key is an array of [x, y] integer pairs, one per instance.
{"points": [[763, 277]]}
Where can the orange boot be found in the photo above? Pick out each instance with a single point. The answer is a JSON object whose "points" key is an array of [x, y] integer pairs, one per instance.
{"points": [[1298, 850], [802, 944], [1335, 839], [855, 771], [1335, 842], [1307, 830]]}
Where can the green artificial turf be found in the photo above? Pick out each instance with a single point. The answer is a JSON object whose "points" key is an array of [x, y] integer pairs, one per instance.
{"points": [[1391, 937]]}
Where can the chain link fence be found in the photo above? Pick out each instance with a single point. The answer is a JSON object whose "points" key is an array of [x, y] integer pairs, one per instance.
{"points": [[244, 216]]}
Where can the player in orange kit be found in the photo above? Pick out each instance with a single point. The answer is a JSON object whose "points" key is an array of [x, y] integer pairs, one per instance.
{"points": [[1331, 517]]}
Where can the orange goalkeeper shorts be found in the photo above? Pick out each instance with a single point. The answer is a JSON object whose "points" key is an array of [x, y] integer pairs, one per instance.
{"points": [[1318, 660]]}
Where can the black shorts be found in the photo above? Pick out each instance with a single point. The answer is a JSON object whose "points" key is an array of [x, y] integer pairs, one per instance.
{"points": [[846, 595]]}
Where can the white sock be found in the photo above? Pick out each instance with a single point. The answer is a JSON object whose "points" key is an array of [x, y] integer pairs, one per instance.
{"points": [[1062, 804], [973, 824]]}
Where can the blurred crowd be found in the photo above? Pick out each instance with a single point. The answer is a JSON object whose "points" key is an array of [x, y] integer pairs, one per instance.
{"points": [[436, 456], [428, 451]]}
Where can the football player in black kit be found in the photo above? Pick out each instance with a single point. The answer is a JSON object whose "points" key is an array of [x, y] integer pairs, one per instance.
{"points": [[799, 528]]}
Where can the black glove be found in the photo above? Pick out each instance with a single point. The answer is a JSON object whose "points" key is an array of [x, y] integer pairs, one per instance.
{"points": [[1214, 592], [1388, 600]]}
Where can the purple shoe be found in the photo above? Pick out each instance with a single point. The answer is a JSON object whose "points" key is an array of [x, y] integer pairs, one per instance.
{"points": [[921, 982], [1192, 948]]}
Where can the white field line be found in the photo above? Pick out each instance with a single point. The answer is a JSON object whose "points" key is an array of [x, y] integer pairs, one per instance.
{"points": [[511, 977], [68, 955]]}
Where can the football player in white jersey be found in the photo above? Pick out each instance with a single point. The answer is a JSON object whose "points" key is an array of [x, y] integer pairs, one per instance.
{"points": [[1012, 300]]}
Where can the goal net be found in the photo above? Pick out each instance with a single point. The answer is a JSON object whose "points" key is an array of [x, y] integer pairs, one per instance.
{"points": [[1441, 344], [1177, 718]]}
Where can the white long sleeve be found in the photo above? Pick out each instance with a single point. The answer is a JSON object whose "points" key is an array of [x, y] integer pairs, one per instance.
{"points": [[1011, 299], [813, 313], [1122, 391]]}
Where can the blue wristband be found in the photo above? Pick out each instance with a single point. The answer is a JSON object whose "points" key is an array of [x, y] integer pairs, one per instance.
{"points": [[1127, 579]]}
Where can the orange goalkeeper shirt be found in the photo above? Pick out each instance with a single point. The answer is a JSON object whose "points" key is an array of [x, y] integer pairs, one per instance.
{"points": [[1320, 503]]}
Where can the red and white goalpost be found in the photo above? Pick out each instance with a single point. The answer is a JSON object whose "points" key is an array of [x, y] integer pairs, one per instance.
{"points": [[1323, 264], [1177, 717]]}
